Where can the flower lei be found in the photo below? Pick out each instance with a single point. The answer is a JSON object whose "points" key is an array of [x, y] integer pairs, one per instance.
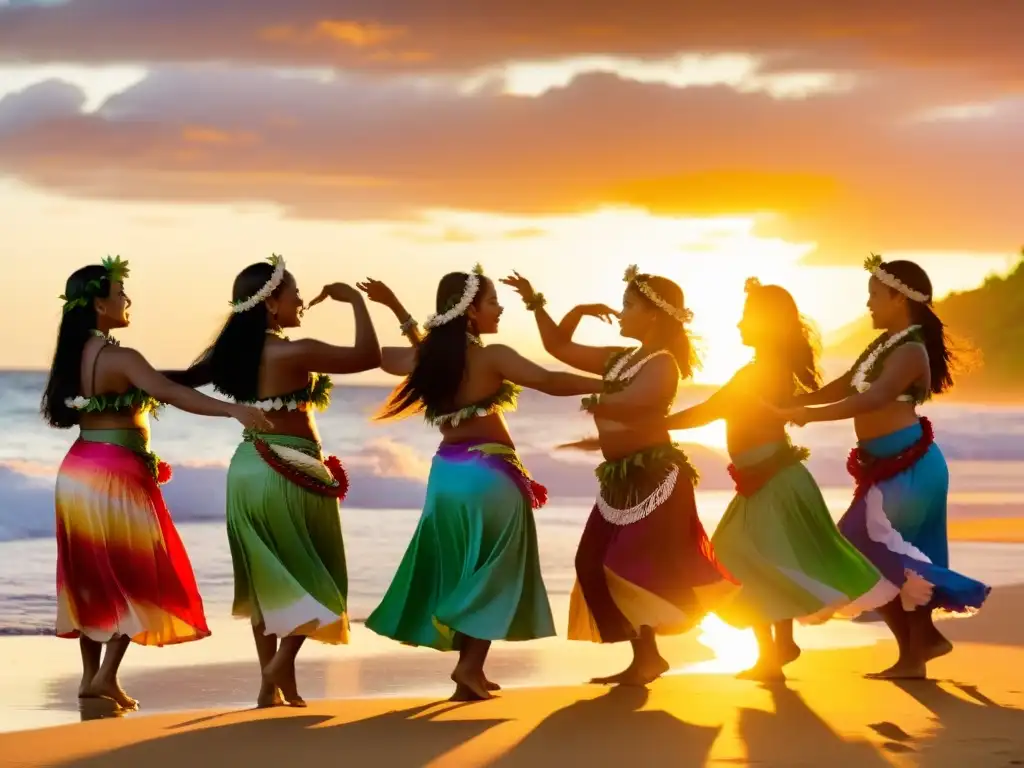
{"points": [[873, 264], [462, 305], [117, 272], [315, 396], [617, 377], [264, 293], [632, 277], [860, 375]]}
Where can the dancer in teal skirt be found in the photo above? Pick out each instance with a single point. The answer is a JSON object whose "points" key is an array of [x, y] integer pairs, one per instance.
{"points": [[283, 495], [471, 573], [777, 537]]}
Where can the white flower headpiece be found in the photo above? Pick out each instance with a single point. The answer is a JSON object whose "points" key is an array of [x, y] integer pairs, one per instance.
{"points": [[266, 291], [873, 264], [681, 316], [462, 306]]}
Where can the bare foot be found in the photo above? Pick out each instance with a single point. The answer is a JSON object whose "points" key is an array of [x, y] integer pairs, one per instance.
{"points": [[615, 679], [940, 646], [901, 670], [462, 693], [269, 697], [110, 689], [85, 687], [280, 675], [763, 673], [787, 653], [490, 686], [645, 673], [471, 680]]}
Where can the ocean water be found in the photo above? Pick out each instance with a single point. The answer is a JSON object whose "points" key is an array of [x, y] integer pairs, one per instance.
{"points": [[388, 465]]}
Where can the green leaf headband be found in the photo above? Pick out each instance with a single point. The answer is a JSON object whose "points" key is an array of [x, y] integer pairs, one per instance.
{"points": [[117, 272]]}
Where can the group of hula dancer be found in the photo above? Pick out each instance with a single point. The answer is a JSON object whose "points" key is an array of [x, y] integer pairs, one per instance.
{"points": [[471, 574]]}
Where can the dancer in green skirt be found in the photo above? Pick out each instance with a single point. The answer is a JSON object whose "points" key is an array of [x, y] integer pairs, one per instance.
{"points": [[777, 537], [283, 495], [471, 573]]}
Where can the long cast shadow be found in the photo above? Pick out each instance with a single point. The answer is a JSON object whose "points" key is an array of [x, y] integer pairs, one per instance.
{"points": [[612, 730], [977, 730], [403, 738], [813, 741]]}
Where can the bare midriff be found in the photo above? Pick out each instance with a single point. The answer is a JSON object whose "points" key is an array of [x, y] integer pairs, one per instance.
{"points": [[886, 420], [491, 428]]}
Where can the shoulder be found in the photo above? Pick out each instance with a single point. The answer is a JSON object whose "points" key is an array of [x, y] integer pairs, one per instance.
{"points": [[909, 354]]}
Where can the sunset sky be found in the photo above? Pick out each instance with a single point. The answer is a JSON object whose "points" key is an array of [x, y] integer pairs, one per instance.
{"points": [[402, 139]]}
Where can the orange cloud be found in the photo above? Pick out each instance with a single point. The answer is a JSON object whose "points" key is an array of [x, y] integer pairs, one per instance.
{"points": [[200, 134], [980, 40], [847, 171]]}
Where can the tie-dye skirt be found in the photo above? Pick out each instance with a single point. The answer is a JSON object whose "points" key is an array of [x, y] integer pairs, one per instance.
{"points": [[644, 558], [472, 567], [778, 538], [286, 543], [121, 567], [899, 523]]}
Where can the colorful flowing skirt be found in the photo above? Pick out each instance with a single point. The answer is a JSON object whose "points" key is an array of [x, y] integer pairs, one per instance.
{"points": [[644, 558], [121, 567], [286, 544], [778, 538], [472, 568], [898, 520]]}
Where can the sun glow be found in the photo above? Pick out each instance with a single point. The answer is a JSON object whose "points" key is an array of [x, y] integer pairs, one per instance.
{"points": [[734, 649]]}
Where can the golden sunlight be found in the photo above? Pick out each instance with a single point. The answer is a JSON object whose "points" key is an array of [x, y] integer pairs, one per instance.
{"points": [[734, 649]]}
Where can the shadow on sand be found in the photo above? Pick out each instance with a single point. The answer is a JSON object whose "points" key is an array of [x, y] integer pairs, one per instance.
{"points": [[612, 730], [408, 737]]}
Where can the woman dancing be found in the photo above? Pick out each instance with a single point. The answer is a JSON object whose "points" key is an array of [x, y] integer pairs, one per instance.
{"points": [[283, 521], [777, 536], [471, 573], [122, 573], [644, 564], [898, 515]]}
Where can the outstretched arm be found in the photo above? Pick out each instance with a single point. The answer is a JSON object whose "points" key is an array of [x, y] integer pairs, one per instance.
{"points": [[398, 361], [557, 338], [142, 375], [905, 366], [363, 355], [199, 374], [509, 364], [379, 292], [832, 392]]}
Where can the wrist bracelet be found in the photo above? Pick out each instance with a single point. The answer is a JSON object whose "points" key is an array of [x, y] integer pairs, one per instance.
{"points": [[535, 302], [409, 326]]}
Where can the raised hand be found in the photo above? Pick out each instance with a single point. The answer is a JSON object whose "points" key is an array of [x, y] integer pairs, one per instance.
{"points": [[601, 311], [338, 292], [520, 285], [378, 292]]}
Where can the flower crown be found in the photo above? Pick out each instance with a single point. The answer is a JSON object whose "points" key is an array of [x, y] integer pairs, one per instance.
{"points": [[264, 293], [117, 271], [463, 304], [632, 277], [873, 264]]}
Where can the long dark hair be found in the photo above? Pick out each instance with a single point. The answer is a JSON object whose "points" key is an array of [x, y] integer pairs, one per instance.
{"points": [[941, 357], [440, 357], [790, 340], [233, 360], [76, 326], [670, 333]]}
